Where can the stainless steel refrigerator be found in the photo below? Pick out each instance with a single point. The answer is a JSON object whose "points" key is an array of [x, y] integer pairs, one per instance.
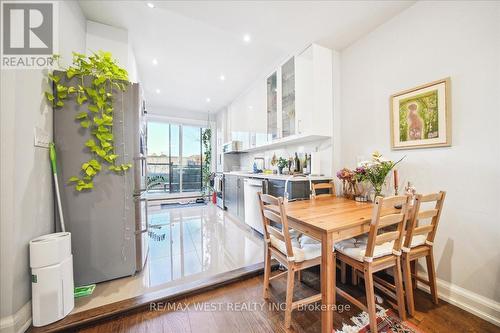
{"points": [[108, 224]]}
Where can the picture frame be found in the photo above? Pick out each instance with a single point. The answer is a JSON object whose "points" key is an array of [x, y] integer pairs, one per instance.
{"points": [[421, 117]]}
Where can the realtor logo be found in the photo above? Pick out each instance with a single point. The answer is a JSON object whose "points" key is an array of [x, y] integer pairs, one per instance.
{"points": [[28, 31]]}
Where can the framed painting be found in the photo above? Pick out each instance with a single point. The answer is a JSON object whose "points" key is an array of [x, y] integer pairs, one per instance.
{"points": [[421, 117]]}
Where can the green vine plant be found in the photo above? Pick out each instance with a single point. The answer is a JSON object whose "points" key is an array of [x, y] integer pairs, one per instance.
{"points": [[97, 98], [207, 158]]}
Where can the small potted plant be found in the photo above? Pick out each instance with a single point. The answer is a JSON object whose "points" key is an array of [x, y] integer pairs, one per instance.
{"points": [[282, 163]]}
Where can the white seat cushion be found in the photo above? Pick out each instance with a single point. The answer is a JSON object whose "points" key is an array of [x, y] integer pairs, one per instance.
{"points": [[356, 248], [417, 240], [304, 247]]}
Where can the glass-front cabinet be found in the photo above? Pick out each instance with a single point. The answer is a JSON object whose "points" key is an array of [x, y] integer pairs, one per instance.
{"points": [[281, 104], [272, 106], [288, 98], [294, 102]]}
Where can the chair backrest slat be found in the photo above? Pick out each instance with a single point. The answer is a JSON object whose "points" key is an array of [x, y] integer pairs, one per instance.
{"points": [[266, 202], [423, 230], [432, 197], [269, 199], [323, 186], [390, 219], [434, 214], [275, 232], [386, 237], [272, 216], [384, 213], [426, 214]]}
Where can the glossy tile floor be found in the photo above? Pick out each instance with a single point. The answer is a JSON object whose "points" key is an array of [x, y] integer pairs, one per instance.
{"points": [[185, 244]]}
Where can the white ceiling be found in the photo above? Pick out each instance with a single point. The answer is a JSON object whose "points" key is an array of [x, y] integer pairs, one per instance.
{"points": [[197, 41]]}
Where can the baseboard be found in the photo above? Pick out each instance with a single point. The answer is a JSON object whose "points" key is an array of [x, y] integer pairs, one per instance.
{"points": [[469, 301], [19, 322]]}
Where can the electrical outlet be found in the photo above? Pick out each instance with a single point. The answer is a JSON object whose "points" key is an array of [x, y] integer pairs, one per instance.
{"points": [[42, 138]]}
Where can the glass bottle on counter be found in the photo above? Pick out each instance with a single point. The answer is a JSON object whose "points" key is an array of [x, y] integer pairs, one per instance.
{"points": [[307, 164], [297, 163]]}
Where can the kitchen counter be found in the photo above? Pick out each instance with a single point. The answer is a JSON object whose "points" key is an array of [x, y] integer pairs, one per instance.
{"points": [[274, 176]]}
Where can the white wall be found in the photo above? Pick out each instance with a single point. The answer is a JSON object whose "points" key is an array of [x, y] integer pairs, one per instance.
{"points": [[430, 41], [102, 37], [26, 205]]}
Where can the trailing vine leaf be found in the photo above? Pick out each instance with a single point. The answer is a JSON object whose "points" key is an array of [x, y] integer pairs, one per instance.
{"points": [[73, 179], [81, 115], [90, 171], [49, 96], [95, 164], [90, 143], [70, 73], [93, 108], [54, 78], [105, 75], [81, 98]]}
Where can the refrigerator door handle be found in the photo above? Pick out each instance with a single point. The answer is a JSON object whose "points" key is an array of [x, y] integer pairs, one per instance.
{"points": [[147, 215], [137, 232]]}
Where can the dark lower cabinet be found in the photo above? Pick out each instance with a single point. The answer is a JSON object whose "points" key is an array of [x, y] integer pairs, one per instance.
{"points": [[234, 197], [297, 189], [276, 188]]}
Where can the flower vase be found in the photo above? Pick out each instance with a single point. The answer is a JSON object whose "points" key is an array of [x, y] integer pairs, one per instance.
{"points": [[376, 191]]}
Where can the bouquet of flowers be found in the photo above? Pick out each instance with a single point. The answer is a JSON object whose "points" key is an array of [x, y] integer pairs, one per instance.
{"points": [[375, 171], [349, 180]]}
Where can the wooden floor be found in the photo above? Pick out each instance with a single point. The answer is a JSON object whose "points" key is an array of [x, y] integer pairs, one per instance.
{"points": [[258, 317]]}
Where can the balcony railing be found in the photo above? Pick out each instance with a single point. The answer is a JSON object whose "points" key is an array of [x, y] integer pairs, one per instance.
{"points": [[165, 177]]}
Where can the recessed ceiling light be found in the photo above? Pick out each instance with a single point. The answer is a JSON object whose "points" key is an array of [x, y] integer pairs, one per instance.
{"points": [[155, 61], [150, 5], [208, 99], [158, 91], [250, 107], [222, 77], [247, 38]]}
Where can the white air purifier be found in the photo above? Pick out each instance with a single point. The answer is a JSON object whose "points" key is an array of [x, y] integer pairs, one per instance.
{"points": [[51, 264]]}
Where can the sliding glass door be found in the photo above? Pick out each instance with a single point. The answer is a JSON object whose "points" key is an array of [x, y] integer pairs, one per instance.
{"points": [[191, 159], [174, 158]]}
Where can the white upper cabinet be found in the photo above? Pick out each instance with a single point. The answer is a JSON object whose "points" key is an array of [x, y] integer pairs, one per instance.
{"points": [[248, 116], [304, 92], [314, 92], [294, 102]]}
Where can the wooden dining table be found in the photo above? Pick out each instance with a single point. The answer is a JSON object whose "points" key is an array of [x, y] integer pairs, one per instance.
{"points": [[329, 220]]}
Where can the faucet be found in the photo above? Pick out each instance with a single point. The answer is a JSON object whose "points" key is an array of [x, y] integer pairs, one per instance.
{"points": [[308, 177]]}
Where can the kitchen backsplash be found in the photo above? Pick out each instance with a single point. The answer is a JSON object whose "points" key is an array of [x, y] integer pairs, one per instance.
{"points": [[323, 147]]}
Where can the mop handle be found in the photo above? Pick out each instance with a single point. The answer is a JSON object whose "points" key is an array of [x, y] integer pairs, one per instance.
{"points": [[53, 159]]}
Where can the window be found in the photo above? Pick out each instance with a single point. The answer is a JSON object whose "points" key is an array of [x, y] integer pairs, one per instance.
{"points": [[174, 158]]}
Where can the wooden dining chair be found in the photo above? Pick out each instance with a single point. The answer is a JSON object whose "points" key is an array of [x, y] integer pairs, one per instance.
{"points": [[381, 250], [418, 243], [293, 250], [323, 186]]}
